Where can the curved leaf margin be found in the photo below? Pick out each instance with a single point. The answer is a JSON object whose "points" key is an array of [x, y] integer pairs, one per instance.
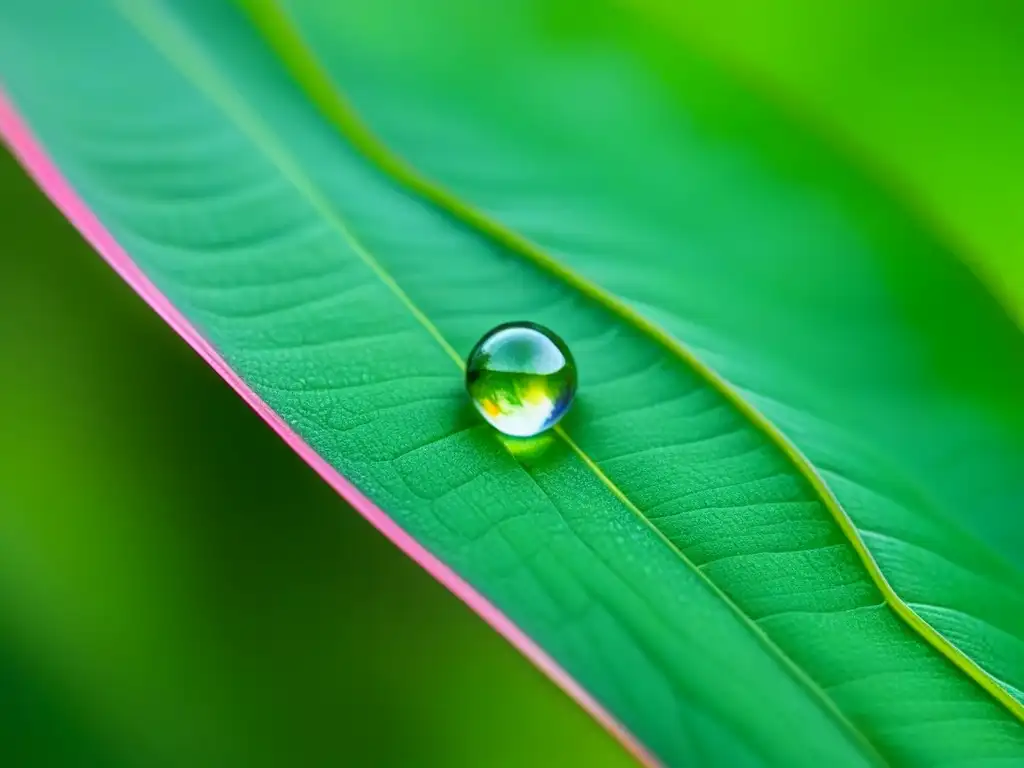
{"points": [[18, 136]]}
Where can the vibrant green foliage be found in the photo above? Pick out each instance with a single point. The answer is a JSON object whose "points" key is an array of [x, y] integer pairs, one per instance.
{"points": [[706, 264]]}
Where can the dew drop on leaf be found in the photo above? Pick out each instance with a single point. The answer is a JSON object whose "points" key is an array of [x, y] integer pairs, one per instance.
{"points": [[521, 377]]}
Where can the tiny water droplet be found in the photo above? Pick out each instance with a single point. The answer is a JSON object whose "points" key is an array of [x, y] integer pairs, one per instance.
{"points": [[521, 377]]}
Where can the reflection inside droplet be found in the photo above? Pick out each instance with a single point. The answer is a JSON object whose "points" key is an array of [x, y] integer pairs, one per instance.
{"points": [[521, 378]]}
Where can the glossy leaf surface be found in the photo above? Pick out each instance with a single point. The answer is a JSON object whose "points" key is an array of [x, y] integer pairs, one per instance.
{"points": [[834, 313], [667, 547]]}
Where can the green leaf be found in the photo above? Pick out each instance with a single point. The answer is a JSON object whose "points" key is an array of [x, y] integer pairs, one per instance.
{"points": [[668, 547], [821, 301], [159, 595]]}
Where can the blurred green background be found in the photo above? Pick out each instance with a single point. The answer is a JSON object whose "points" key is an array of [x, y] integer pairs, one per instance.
{"points": [[178, 589], [928, 95]]}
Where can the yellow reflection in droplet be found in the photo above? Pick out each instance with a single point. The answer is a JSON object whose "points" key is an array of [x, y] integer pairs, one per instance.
{"points": [[536, 394]]}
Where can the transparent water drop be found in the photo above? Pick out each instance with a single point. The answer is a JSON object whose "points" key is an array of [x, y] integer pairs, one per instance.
{"points": [[521, 377]]}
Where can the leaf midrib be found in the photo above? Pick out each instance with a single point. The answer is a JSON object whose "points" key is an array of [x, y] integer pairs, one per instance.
{"points": [[286, 40]]}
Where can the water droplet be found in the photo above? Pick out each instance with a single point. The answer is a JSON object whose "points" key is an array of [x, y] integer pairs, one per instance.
{"points": [[521, 377]]}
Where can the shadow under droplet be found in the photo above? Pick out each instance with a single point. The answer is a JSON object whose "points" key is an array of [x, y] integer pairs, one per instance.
{"points": [[527, 448]]}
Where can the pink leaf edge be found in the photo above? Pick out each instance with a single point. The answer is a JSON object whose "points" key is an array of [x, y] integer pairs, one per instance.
{"points": [[34, 159]]}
